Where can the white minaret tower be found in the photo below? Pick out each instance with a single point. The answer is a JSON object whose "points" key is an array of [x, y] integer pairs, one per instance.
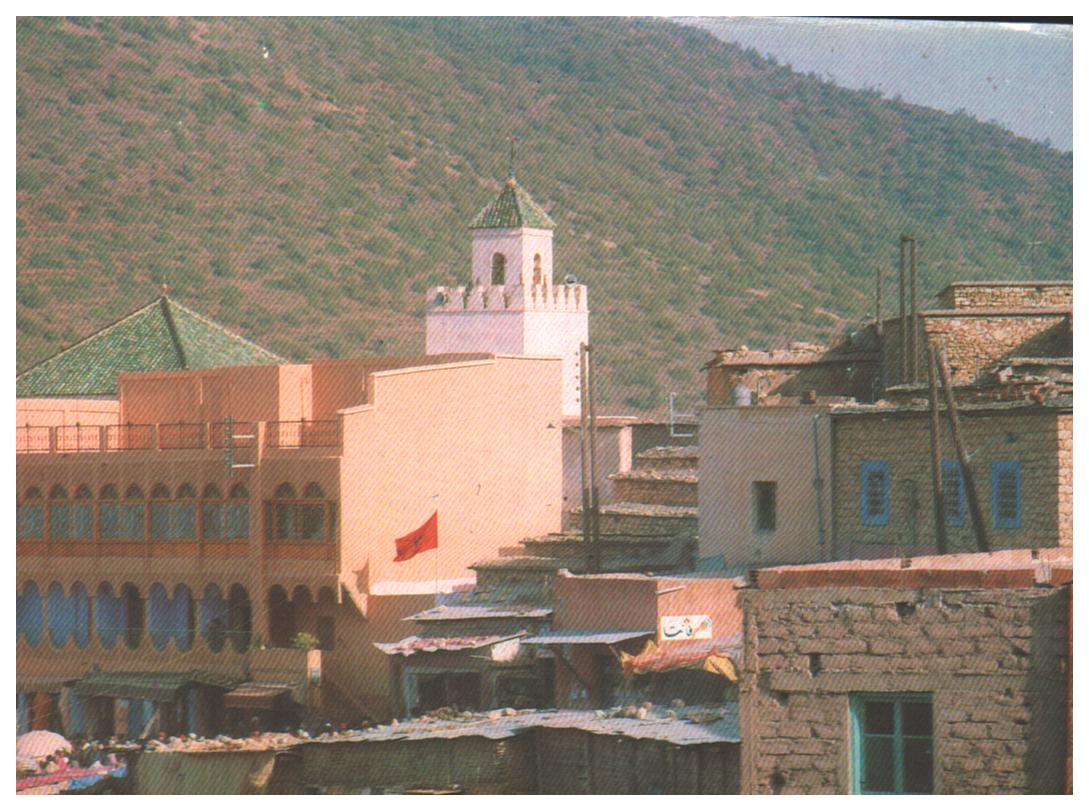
{"points": [[514, 305]]}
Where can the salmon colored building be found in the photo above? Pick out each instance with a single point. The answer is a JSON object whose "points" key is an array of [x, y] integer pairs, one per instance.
{"points": [[170, 554]]}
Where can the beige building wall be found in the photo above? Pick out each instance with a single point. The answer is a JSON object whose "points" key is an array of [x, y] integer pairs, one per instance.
{"points": [[480, 442], [743, 445], [55, 411], [614, 456]]}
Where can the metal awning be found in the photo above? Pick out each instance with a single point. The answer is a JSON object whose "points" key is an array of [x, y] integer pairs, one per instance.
{"points": [[256, 696], [585, 637], [437, 644], [147, 685]]}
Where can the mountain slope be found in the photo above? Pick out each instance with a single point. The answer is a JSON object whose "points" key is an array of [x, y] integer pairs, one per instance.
{"points": [[308, 197]]}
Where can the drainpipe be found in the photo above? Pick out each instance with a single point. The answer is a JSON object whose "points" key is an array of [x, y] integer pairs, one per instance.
{"points": [[818, 487]]}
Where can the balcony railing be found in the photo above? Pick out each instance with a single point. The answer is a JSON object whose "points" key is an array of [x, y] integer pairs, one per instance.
{"points": [[174, 436], [303, 434], [130, 437], [32, 439]]}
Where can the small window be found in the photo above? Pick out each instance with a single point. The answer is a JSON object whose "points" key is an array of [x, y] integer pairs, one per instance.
{"points": [[763, 496], [875, 494], [953, 492], [499, 269], [1006, 494], [538, 278], [892, 744]]}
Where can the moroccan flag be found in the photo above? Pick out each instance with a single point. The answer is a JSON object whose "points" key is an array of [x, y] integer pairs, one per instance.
{"points": [[419, 540]]}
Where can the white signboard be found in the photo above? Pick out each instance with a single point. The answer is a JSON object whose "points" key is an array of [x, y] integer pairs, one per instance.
{"points": [[685, 626]]}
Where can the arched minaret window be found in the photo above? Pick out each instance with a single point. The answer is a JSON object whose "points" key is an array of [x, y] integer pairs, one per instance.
{"points": [[537, 279], [499, 269]]}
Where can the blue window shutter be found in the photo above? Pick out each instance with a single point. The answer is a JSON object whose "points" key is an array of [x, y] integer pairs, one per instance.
{"points": [[953, 492], [875, 493], [1006, 494]]}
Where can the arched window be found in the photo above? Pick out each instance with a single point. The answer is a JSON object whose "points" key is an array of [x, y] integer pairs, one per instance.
{"points": [[499, 269], [30, 515], [109, 513], [538, 278], [83, 514], [161, 507], [183, 523], [29, 617], [60, 514], [213, 618], [238, 513], [109, 616], [134, 615], [312, 514], [132, 514], [211, 514], [288, 518], [239, 618]]}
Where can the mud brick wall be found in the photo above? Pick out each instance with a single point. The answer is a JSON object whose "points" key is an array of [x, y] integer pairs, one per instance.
{"points": [[975, 342], [993, 661], [1041, 441], [1007, 295]]}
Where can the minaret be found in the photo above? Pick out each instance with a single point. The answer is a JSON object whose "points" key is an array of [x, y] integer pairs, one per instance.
{"points": [[514, 306]]}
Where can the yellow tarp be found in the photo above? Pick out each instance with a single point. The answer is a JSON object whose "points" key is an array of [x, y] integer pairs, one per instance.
{"points": [[694, 655]]}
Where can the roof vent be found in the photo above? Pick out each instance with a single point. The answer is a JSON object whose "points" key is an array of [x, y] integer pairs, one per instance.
{"points": [[442, 297], [570, 278]]}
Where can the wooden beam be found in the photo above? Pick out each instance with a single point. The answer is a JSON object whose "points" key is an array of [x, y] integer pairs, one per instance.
{"points": [[962, 457]]}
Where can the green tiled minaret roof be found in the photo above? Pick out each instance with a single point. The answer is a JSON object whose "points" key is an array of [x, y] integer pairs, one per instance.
{"points": [[513, 208], [162, 336]]}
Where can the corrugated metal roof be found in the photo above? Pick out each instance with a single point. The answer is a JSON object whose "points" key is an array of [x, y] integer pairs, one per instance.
{"points": [[147, 685], [585, 637], [434, 644], [473, 612], [723, 729]]}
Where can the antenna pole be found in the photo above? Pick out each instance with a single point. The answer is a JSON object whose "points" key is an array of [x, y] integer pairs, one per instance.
{"points": [[510, 166]]}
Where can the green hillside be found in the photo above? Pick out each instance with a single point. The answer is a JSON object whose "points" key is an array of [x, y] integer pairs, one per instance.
{"points": [[308, 197]]}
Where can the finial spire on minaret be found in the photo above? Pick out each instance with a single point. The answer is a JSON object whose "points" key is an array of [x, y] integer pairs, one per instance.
{"points": [[510, 166]]}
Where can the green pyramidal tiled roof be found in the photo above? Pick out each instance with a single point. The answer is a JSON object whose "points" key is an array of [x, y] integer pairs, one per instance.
{"points": [[513, 208], [162, 336]]}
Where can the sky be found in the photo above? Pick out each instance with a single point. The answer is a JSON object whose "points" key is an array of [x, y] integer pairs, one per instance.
{"points": [[1019, 75]]}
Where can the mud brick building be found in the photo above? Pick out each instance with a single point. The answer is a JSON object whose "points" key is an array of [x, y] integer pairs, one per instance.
{"points": [[1021, 456], [933, 675]]}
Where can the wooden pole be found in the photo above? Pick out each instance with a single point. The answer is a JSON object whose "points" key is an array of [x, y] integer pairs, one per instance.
{"points": [[962, 457], [936, 454]]}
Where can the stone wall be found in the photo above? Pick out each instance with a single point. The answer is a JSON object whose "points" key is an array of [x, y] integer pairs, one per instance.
{"points": [[992, 660], [1066, 479], [975, 342], [677, 491], [1007, 295], [902, 440]]}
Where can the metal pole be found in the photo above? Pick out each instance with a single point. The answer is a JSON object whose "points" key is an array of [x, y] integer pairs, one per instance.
{"points": [[914, 319], [902, 369], [594, 505], [584, 444], [935, 455], [877, 306], [962, 457]]}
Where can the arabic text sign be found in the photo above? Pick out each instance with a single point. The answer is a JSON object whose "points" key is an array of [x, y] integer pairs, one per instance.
{"points": [[686, 626]]}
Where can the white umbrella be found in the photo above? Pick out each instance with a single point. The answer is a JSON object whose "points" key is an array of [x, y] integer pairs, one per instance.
{"points": [[40, 743]]}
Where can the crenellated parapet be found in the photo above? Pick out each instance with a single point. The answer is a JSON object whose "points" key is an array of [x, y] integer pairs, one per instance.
{"points": [[481, 298]]}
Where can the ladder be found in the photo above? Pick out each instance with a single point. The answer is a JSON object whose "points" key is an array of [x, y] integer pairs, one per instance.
{"points": [[229, 448]]}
